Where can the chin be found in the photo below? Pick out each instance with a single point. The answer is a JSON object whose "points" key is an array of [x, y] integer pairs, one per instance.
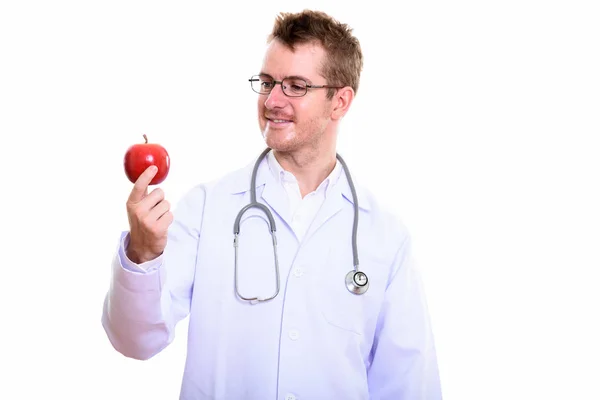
{"points": [[279, 145], [280, 141]]}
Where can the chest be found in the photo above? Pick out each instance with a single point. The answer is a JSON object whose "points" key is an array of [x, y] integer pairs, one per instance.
{"points": [[306, 276]]}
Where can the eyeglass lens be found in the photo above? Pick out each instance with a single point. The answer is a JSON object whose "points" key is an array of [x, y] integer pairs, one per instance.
{"points": [[291, 86]]}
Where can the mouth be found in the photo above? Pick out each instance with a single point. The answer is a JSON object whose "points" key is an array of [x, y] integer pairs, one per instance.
{"points": [[278, 123]]}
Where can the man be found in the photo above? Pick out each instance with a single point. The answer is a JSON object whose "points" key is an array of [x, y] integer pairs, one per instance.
{"points": [[278, 315]]}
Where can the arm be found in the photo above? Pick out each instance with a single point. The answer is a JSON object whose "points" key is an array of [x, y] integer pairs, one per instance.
{"points": [[404, 361], [145, 302]]}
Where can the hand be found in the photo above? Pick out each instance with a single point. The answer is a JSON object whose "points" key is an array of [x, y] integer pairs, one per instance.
{"points": [[149, 219]]}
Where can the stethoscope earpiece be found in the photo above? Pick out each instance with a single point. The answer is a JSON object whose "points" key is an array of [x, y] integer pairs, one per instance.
{"points": [[357, 282]]}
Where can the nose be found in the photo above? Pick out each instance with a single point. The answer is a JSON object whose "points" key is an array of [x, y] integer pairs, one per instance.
{"points": [[276, 98]]}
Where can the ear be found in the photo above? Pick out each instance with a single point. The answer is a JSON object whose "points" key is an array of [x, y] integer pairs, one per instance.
{"points": [[341, 102]]}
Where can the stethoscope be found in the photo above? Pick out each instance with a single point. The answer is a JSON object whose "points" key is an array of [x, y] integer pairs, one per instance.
{"points": [[356, 281]]}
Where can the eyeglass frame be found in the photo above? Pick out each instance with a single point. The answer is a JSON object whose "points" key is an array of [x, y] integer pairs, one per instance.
{"points": [[275, 82]]}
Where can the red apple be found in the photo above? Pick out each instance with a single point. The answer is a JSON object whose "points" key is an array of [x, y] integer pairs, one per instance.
{"points": [[142, 155]]}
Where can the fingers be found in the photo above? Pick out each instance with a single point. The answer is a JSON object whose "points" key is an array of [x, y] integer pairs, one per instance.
{"points": [[145, 205], [140, 187], [165, 220], [147, 211], [152, 199], [158, 228], [151, 208], [158, 210], [149, 217]]}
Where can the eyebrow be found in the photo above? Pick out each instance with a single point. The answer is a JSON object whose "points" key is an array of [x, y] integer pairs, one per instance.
{"points": [[291, 76]]}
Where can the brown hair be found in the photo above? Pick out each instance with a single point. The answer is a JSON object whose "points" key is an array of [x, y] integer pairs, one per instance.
{"points": [[344, 61]]}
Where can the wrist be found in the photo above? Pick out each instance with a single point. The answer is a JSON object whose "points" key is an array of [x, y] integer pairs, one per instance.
{"points": [[139, 257]]}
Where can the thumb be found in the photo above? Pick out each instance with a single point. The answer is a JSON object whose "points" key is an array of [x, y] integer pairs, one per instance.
{"points": [[140, 187]]}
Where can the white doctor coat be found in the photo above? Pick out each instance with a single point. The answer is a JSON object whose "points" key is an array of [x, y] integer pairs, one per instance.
{"points": [[315, 340]]}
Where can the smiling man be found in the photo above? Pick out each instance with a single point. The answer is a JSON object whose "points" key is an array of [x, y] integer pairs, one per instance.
{"points": [[316, 296], [298, 121]]}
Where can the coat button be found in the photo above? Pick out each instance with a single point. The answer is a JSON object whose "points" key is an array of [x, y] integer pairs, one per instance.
{"points": [[294, 334]]}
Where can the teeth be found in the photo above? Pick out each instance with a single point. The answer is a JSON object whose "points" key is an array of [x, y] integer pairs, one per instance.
{"points": [[279, 120]]}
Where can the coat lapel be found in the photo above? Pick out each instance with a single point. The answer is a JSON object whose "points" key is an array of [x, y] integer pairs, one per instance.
{"points": [[270, 192], [274, 196]]}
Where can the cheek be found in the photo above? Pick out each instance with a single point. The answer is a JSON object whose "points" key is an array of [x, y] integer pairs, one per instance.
{"points": [[303, 112], [311, 114], [260, 104], [260, 109]]}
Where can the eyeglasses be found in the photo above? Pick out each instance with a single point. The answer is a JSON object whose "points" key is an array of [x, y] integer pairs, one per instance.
{"points": [[292, 87]]}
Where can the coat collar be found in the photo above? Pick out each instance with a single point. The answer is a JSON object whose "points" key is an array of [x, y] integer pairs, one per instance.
{"points": [[273, 192]]}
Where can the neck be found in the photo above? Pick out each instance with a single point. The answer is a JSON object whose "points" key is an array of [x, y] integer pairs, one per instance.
{"points": [[310, 167]]}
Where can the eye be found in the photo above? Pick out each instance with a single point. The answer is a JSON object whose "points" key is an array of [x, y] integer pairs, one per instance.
{"points": [[265, 82], [296, 85]]}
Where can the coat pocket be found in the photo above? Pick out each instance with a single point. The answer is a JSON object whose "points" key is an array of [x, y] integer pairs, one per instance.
{"points": [[341, 308]]}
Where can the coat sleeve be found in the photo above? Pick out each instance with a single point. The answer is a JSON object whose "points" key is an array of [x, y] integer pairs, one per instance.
{"points": [[404, 362], [143, 305]]}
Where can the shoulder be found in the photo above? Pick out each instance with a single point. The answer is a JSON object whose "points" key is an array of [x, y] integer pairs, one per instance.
{"points": [[387, 229], [232, 182], [380, 214]]}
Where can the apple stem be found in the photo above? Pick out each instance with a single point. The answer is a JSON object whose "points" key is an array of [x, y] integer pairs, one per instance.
{"points": [[145, 137]]}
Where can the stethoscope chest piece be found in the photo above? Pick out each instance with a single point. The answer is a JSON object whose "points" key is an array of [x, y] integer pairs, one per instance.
{"points": [[357, 282]]}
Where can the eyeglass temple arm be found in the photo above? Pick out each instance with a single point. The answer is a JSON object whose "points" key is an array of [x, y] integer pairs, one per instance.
{"points": [[324, 86]]}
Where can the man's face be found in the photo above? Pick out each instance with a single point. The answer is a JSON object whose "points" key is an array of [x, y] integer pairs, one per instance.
{"points": [[292, 123]]}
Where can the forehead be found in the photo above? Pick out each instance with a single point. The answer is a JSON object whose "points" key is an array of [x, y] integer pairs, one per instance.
{"points": [[305, 60]]}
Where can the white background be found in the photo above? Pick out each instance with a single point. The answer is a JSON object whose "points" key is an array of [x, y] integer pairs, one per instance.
{"points": [[477, 122]]}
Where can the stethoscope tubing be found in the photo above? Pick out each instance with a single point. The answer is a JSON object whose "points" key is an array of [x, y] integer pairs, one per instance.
{"points": [[356, 281]]}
